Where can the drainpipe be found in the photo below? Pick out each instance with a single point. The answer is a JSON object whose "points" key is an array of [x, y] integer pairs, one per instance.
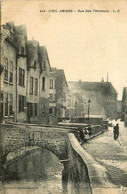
{"points": [[16, 85]]}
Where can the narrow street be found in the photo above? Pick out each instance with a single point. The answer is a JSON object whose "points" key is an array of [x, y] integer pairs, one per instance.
{"points": [[111, 154]]}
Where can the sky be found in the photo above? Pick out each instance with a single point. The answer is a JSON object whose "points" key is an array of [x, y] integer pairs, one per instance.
{"points": [[87, 45]]}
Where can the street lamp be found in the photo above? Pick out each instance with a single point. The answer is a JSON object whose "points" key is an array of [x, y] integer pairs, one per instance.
{"points": [[89, 101]]}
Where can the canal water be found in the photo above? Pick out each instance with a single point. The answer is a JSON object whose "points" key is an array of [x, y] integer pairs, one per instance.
{"points": [[40, 172]]}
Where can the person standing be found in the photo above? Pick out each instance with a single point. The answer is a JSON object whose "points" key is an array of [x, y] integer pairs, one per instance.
{"points": [[116, 131], [90, 130], [81, 134]]}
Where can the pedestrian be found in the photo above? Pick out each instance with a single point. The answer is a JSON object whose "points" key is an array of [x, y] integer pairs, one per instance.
{"points": [[117, 134], [85, 131], [90, 130], [116, 131], [81, 134]]}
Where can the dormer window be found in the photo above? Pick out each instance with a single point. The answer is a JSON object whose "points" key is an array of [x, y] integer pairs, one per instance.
{"points": [[44, 66]]}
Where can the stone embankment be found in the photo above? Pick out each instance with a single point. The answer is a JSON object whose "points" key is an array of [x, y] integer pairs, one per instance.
{"points": [[86, 174]]}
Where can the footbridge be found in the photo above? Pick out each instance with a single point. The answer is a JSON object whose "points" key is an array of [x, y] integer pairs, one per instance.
{"points": [[83, 173], [17, 136]]}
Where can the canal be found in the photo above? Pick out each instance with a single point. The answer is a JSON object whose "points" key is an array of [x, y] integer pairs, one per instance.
{"points": [[40, 172]]}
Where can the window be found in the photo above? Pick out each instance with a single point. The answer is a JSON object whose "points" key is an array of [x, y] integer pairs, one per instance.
{"points": [[43, 83], [43, 105], [51, 97], [22, 103], [35, 64], [6, 104], [36, 86], [5, 69], [35, 109], [51, 83], [11, 72], [22, 50], [31, 109], [1, 97], [11, 104], [50, 110], [31, 85], [44, 66], [21, 77]]}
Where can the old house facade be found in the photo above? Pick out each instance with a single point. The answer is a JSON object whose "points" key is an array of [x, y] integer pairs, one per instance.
{"points": [[124, 105], [33, 75], [8, 75], [61, 92], [21, 73], [45, 69], [52, 98], [52, 94]]}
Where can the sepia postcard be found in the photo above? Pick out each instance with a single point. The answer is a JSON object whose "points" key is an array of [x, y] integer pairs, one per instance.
{"points": [[63, 97]]}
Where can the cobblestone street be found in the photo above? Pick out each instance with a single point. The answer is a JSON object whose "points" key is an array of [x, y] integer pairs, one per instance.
{"points": [[111, 154]]}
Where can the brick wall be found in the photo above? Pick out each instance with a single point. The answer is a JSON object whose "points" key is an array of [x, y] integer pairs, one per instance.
{"points": [[13, 138], [17, 136]]}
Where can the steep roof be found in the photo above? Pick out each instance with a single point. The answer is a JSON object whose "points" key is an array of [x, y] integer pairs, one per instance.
{"points": [[43, 55], [32, 50], [20, 35], [103, 87], [59, 73]]}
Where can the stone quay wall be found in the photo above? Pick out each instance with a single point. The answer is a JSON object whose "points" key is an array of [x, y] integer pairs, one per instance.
{"points": [[85, 174]]}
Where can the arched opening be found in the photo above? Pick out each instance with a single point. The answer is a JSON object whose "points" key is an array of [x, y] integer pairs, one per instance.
{"points": [[38, 170]]}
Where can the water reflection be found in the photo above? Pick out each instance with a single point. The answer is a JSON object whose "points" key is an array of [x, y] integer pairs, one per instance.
{"points": [[39, 172]]}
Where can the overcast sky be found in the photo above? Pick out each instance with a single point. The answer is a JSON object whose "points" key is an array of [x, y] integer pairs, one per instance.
{"points": [[85, 45]]}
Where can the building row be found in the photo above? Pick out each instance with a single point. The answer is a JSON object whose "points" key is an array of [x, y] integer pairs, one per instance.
{"points": [[31, 91], [34, 92]]}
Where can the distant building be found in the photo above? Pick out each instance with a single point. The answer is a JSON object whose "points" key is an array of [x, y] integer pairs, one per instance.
{"points": [[70, 110], [103, 98], [52, 97], [61, 92], [119, 108], [124, 105]]}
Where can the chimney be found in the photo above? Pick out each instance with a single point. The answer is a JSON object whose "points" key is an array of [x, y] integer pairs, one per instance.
{"points": [[107, 77], [102, 79]]}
